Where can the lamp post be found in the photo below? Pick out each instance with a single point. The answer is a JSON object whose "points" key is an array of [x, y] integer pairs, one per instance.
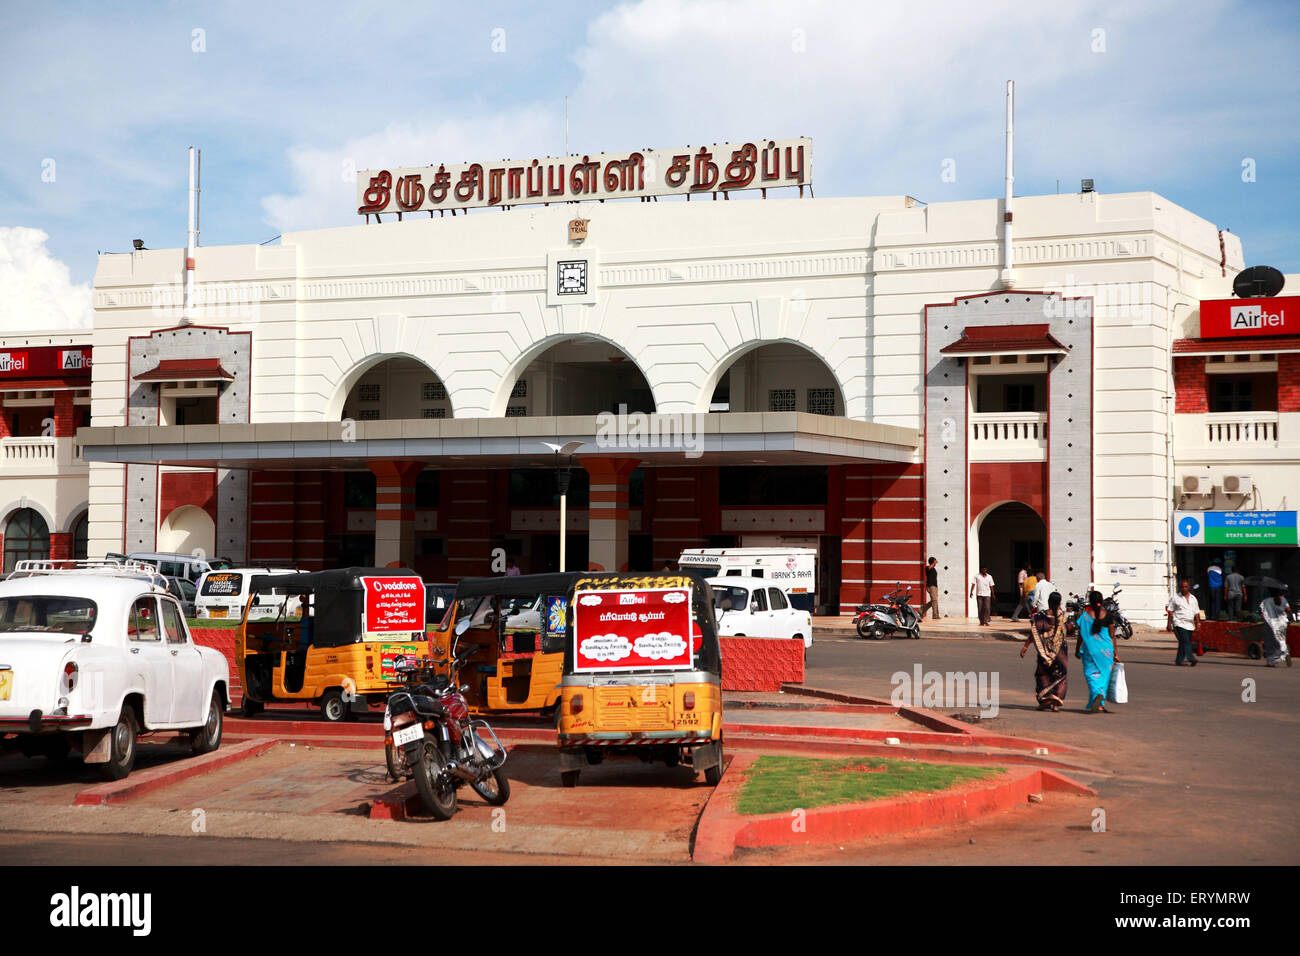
{"points": [[563, 473]]}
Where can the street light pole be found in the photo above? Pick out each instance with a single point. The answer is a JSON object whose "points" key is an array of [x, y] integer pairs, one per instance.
{"points": [[562, 478]]}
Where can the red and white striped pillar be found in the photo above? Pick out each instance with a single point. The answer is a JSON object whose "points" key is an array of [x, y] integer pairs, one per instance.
{"points": [[395, 512], [607, 512]]}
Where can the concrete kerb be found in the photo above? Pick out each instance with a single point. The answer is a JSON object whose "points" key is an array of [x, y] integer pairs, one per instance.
{"points": [[155, 778], [722, 830]]}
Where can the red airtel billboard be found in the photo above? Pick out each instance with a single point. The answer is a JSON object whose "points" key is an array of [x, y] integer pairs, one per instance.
{"points": [[46, 361], [1230, 318], [632, 629]]}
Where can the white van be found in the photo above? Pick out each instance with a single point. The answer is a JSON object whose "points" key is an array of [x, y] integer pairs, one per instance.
{"points": [[794, 569], [174, 565], [222, 595]]}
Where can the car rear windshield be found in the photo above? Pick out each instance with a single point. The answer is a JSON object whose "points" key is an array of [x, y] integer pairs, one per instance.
{"points": [[54, 614], [223, 584]]}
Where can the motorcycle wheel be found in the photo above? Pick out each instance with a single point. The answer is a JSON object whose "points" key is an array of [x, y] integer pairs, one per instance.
{"points": [[390, 760], [441, 802], [1125, 630], [864, 628], [495, 788]]}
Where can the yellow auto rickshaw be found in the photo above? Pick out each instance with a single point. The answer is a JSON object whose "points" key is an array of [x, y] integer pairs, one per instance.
{"points": [[511, 639], [642, 674], [338, 646]]}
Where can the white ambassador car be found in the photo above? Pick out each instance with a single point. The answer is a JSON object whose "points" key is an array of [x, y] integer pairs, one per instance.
{"points": [[755, 607], [93, 655]]}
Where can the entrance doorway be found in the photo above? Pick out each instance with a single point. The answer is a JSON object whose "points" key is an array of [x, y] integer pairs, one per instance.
{"points": [[1010, 536]]}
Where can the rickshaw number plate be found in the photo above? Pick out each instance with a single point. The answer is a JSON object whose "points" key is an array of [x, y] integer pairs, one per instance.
{"points": [[217, 612], [6, 684], [407, 735]]}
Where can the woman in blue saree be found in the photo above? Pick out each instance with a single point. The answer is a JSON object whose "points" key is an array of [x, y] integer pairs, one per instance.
{"points": [[1097, 652]]}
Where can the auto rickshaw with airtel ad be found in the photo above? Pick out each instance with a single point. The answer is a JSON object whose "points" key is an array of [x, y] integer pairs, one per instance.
{"points": [[513, 644], [339, 648], [642, 674]]}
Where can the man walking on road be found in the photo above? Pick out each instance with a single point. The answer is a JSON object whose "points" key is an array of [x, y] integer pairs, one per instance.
{"points": [[1233, 586], [1026, 583], [1043, 590], [982, 589], [932, 589], [1182, 615]]}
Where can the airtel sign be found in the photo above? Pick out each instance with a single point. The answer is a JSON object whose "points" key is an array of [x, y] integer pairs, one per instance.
{"points": [[1228, 318]]}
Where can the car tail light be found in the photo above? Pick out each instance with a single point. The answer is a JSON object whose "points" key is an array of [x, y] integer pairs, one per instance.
{"points": [[688, 700], [70, 674], [575, 704]]}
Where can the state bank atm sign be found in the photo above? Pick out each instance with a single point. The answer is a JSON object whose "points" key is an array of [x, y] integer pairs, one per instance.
{"points": [[1235, 527]]}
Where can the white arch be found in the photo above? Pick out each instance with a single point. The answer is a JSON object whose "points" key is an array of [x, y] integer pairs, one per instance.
{"points": [[738, 352], [501, 397], [8, 510], [973, 543], [353, 375], [188, 530]]}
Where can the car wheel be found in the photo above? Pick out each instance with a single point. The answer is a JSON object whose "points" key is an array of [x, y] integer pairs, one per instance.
{"points": [[121, 753], [249, 707], [333, 707], [208, 737]]}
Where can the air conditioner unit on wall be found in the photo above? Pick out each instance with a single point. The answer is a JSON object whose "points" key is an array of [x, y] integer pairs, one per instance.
{"points": [[1197, 485], [1237, 484]]}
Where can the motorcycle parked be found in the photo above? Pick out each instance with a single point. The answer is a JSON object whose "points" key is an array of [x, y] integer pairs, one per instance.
{"points": [[893, 615], [430, 736], [1119, 624]]}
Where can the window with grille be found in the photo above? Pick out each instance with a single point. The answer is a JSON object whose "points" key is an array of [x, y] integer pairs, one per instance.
{"points": [[433, 413], [780, 400], [821, 401], [368, 415], [520, 390], [368, 393], [516, 411], [433, 392]]}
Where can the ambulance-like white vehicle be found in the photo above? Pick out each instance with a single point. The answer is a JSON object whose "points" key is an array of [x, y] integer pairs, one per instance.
{"points": [[794, 569]]}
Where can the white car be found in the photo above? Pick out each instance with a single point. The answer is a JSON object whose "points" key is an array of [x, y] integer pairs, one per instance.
{"points": [[95, 655], [754, 607], [222, 595]]}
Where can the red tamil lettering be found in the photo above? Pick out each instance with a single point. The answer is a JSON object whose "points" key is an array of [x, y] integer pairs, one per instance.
{"points": [[772, 171], [706, 172], [471, 184], [676, 174], [441, 183], [551, 188], [377, 195], [536, 190], [410, 192], [740, 171], [791, 172], [495, 176]]}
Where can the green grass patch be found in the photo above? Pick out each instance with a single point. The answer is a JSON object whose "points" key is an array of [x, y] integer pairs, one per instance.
{"points": [[780, 784], [205, 623]]}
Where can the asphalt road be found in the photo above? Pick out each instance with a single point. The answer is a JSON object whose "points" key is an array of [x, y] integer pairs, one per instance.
{"points": [[1199, 774]]}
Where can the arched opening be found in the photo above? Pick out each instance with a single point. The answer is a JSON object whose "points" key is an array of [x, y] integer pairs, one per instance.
{"points": [[188, 530], [580, 376], [81, 537], [27, 537], [397, 388], [779, 377], [1008, 537]]}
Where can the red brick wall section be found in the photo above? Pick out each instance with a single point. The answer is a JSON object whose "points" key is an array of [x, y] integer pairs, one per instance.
{"points": [[286, 524], [1191, 390], [222, 639], [881, 525], [677, 518], [65, 415], [182, 488], [760, 664], [60, 545], [469, 522], [1288, 382], [995, 481], [6, 422]]}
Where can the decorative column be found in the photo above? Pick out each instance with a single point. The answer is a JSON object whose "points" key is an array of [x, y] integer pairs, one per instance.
{"points": [[607, 512], [395, 512]]}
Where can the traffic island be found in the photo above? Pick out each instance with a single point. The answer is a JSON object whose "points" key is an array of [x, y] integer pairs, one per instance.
{"points": [[821, 801]]}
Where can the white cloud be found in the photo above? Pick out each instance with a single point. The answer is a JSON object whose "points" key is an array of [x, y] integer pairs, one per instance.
{"points": [[37, 291]]}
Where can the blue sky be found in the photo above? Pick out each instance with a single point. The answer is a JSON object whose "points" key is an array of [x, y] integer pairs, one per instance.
{"points": [[283, 98]]}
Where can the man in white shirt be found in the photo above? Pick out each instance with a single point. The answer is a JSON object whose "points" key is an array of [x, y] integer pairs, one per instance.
{"points": [[1042, 591], [1183, 615], [982, 589], [1276, 612]]}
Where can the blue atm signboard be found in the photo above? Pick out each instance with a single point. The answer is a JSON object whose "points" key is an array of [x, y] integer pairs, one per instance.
{"points": [[1235, 527]]}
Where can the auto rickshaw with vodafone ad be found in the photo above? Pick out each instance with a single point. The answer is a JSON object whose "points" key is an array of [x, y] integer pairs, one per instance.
{"points": [[339, 648], [642, 674], [503, 639]]}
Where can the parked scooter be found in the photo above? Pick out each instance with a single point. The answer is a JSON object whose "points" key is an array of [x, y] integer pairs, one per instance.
{"points": [[1119, 624], [429, 736], [893, 616]]}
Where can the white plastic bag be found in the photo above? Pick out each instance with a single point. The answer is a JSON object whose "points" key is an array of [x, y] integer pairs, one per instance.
{"points": [[1118, 685]]}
